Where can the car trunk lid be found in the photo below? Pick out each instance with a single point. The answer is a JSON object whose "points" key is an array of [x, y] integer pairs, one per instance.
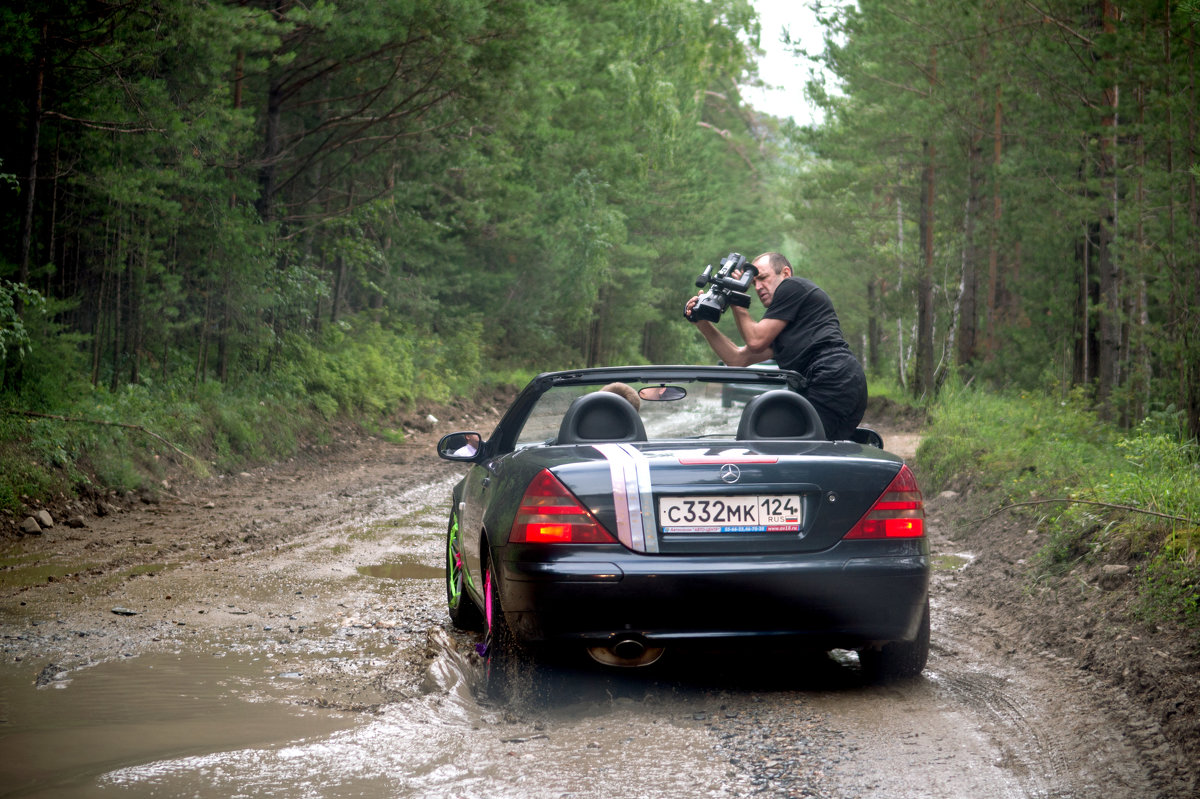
{"points": [[756, 497]]}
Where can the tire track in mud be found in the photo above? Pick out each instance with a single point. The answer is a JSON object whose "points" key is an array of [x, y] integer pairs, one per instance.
{"points": [[1052, 727], [984, 721], [1029, 748], [991, 718], [1029, 752], [1065, 730]]}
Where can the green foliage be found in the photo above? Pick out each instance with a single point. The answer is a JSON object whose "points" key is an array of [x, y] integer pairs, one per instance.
{"points": [[235, 183], [48, 368], [890, 392], [247, 220], [30, 462], [1022, 447], [1170, 587], [14, 337], [251, 424], [1022, 444], [1159, 471], [359, 369], [361, 366]]}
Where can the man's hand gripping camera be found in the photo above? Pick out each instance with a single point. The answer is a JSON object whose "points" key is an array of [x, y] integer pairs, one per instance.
{"points": [[726, 288]]}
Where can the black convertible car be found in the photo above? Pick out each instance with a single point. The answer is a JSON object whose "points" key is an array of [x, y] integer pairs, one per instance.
{"points": [[590, 524]]}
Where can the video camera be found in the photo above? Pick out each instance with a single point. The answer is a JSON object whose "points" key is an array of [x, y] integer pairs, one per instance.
{"points": [[725, 288]]}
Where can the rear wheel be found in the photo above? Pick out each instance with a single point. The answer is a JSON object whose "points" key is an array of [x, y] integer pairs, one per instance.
{"points": [[898, 660], [501, 653], [462, 609]]}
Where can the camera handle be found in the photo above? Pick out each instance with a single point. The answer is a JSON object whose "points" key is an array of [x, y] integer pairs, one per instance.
{"points": [[739, 298]]}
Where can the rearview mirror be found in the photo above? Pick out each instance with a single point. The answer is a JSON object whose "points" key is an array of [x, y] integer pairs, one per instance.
{"points": [[662, 393]]}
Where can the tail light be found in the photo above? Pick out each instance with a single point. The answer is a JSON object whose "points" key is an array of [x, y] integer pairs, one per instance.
{"points": [[550, 514], [898, 513]]}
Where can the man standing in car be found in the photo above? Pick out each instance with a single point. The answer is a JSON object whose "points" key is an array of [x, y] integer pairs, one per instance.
{"points": [[801, 331]]}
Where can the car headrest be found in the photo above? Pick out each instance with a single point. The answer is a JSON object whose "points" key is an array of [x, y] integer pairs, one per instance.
{"points": [[600, 417], [780, 414]]}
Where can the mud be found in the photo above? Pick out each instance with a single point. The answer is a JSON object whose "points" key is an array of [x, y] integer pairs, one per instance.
{"points": [[282, 632]]}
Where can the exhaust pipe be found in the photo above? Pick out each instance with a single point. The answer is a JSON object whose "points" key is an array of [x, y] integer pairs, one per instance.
{"points": [[630, 651]]}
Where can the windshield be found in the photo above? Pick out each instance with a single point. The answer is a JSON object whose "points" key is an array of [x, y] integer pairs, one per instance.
{"points": [[706, 410]]}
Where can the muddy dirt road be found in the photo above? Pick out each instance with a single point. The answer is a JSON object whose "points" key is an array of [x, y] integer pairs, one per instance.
{"points": [[282, 633]]}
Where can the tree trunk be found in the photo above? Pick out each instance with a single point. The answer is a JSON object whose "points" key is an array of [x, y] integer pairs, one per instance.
{"points": [[1138, 316], [1110, 317], [339, 286], [1190, 346], [592, 354], [1084, 371], [205, 326], [239, 77], [993, 292], [223, 331], [118, 310], [271, 147], [35, 125], [98, 330], [871, 358], [925, 365], [901, 367], [135, 319], [968, 285]]}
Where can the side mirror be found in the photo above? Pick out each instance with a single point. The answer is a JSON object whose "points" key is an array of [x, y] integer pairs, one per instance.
{"points": [[460, 446]]}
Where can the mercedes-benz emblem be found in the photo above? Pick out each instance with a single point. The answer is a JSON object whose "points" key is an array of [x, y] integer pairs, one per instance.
{"points": [[730, 473]]}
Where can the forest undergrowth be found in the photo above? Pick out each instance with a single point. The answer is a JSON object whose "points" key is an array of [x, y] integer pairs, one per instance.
{"points": [[1097, 496], [63, 436]]}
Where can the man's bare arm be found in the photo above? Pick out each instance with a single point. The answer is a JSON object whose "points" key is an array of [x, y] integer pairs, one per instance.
{"points": [[759, 336], [730, 353]]}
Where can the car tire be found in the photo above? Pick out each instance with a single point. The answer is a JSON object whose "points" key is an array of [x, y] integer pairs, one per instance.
{"points": [[464, 613], [501, 652], [898, 660]]}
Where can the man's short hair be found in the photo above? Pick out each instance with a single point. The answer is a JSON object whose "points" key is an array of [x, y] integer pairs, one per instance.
{"points": [[775, 260], [625, 390]]}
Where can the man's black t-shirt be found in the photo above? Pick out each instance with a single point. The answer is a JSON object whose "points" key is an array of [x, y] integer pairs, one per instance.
{"points": [[812, 326]]}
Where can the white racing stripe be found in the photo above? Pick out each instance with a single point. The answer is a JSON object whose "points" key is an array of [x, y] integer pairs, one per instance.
{"points": [[630, 473]]}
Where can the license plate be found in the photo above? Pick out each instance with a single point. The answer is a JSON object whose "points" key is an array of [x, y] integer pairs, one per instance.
{"points": [[740, 514]]}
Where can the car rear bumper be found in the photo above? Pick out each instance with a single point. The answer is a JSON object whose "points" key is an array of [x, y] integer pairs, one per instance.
{"points": [[856, 593]]}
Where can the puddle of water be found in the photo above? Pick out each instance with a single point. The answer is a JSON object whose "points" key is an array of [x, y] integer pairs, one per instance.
{"points": [[148, 569], [403, 570], [23, 575], [59, 739], [444, 743], [951, 563]]}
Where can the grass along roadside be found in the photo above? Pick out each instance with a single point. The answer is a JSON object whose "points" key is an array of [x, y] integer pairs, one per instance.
{"points": [[1103, 496], [143, 440]]}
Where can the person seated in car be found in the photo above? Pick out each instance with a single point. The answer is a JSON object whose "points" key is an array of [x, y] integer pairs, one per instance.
{"points": [[625, 390]]}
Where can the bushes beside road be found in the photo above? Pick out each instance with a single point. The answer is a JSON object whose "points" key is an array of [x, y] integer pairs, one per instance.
{"points": [[1101, 495], [62, 435]]}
